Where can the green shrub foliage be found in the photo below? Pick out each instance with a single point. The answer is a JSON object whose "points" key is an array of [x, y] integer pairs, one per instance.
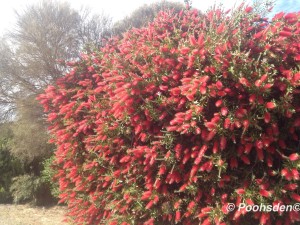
{"points": [[47, 175], [172, 122], [9, 165], [24, 188]]}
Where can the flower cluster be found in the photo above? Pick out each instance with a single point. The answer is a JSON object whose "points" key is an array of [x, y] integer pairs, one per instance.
{"points": [[172, 122]]}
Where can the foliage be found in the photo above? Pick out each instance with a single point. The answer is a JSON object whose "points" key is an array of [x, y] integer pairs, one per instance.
{"points": [[143, 15], [174, 121], [45, 33], [9, 165], [30, 138], [47, 175], [29, 188], [24, 188]]}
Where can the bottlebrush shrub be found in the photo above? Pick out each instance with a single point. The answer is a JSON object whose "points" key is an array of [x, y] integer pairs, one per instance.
{"points": [[172, 122]]}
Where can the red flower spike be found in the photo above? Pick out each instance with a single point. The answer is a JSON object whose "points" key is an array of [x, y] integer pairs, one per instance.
{"points": [[270, 105], [219, 103], [224, 111], [264, 218], [245, 159], [267, 117], [295, 197], [265, 193], [294, 157], [248, 9]]}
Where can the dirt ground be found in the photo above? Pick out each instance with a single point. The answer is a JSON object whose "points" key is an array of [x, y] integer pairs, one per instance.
{"points": [[29, 215]]}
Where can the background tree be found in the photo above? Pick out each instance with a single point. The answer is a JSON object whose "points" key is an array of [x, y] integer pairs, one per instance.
{"points": [[9, 165], [45, 35], [143, 15]]}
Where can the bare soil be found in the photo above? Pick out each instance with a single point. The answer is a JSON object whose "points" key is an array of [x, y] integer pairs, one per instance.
{"points": [[31, 215]]}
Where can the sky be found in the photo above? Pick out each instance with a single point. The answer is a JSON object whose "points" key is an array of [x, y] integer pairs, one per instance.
{"points": [[118, 9]]}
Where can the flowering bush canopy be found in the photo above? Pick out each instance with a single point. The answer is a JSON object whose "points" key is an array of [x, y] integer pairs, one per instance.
{"points": [[172, 122]]}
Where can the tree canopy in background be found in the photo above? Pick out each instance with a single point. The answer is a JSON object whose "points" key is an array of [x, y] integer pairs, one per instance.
{"points": [[32, 57], [143, 15], [45, 35]]}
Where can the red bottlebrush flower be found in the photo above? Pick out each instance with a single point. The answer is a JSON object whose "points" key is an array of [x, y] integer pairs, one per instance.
{"points": [[210, 125], [246, 124], [125, 159], [177, 216], [294, 157], [163, 88], [191, 205], [284, 172], [220, 28], [264, 217], [224, 111], [184, 50], [218, 103], [249, 201], [270, 105], [248, 9], [267, 117], [259, 144], [201, 154], [177, 204], [223, 143], [258, 83], [215, 147], [210, 135], [194, 170], [219, 85], [193, 41], [290, 187], [183, 187], [260, 154], [206, 222], [150, 204], [162, 170], [245, 159], [295, 174], [248, 148], [155, 199], [252, 98], [225, 208], [244, 82], [265, 193], [240, 191], [295, 197], [285, 34], [297, 58], [227, 123], [157, 183], [146, 195], [206, 210]]}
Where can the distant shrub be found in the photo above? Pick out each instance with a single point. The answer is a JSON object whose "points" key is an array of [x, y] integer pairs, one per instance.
{"points": [[9, 165], [30, 189], [47, 175], [24, 188]]}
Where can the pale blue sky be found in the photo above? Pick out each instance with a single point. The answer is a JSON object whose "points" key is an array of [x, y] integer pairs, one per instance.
{"points": [[118, 9]]}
